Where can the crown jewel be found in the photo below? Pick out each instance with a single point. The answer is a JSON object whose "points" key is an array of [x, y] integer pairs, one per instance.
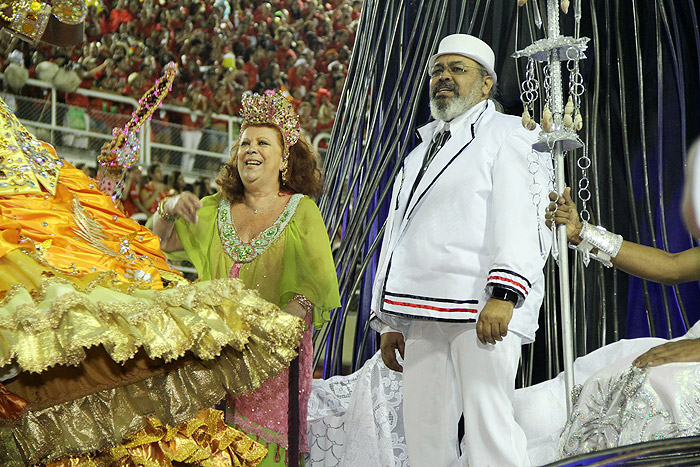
{"points": [[272, 107]]}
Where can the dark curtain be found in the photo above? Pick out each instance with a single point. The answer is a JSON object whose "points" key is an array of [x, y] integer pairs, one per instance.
{"points": [[640, 109]]}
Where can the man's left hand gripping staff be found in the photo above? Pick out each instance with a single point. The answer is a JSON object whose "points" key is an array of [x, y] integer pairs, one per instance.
{"points": [[493, 321]]}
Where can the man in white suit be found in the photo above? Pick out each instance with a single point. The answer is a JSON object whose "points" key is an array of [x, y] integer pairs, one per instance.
{"points": [[459, 283]]}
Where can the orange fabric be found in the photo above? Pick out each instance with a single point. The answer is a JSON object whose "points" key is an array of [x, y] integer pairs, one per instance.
{"points": [[11, 405], [49, 222]]}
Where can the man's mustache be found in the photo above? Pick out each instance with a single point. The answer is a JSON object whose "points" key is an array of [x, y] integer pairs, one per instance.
{"points": [[446, 86]]}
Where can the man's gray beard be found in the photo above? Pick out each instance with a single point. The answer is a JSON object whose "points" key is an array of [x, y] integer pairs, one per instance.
{"points": [[447, 109]]}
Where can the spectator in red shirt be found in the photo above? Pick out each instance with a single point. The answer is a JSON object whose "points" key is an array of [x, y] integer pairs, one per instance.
{"points": [[120, 14], [284, 44], [252, 64], [155, 190], [356, 9], [263, 13], [289, 60], [329, 56], [300, 76], [130, 196], [326, 110]]}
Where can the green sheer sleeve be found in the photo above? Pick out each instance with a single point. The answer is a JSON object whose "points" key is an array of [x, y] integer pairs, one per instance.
{"points": [[308, 263], [198, 238]]}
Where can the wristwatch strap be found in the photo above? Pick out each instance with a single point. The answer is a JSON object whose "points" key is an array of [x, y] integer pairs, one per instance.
{"points": [[501, 293]]}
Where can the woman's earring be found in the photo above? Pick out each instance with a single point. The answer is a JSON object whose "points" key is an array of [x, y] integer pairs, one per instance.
{"points": [[285, 168]]}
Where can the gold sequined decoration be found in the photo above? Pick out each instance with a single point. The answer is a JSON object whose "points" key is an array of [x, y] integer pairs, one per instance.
{"points": [[91, 231], [25, 164], [29, 19], [247, 341]]}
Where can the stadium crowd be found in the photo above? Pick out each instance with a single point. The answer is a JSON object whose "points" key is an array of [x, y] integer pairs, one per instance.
{"points": [[223, 48]]}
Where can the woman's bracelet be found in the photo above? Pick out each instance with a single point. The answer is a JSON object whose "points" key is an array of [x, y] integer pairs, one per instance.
{"points": [[304, 302], [164, 215], [607, 244]]}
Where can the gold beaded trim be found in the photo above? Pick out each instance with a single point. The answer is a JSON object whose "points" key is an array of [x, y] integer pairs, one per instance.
{"points": [[69, 11]]}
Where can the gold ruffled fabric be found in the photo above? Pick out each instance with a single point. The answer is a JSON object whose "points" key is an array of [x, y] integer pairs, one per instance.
{"points": [[199, 341], [202, 441], [103, 419], [47, 318]]}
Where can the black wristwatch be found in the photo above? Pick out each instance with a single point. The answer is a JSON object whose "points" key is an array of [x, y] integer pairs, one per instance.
{"points": [[502, 293]]}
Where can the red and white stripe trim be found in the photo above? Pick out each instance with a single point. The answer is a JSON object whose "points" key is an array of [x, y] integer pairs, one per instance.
{"points": [[431, 306], [510, 280]]}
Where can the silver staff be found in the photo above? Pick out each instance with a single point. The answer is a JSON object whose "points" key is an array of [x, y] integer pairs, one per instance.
{"points": [[559, 124]]}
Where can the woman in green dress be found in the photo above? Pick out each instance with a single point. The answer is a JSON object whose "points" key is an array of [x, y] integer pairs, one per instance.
{"points": [[264, 228]]}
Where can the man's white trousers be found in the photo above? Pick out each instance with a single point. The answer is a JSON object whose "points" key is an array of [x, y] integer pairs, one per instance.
{"points": [[447, 372]]}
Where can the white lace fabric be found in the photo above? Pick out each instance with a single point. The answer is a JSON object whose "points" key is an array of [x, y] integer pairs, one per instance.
{"points": [[357, 420]]}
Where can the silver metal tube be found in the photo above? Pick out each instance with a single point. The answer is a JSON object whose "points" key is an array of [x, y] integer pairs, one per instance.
{"points": [[564, 287], [557, 107]]}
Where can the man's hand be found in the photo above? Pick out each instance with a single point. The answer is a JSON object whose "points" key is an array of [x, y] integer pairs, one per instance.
{"points": [[687, 350], [493, 321], [389, 342]]}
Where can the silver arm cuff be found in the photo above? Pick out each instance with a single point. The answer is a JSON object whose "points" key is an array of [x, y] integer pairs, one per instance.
{"points": [[607, 243]]}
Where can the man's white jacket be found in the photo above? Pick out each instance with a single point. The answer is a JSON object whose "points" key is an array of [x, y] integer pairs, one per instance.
{"points": [[470, 224]]}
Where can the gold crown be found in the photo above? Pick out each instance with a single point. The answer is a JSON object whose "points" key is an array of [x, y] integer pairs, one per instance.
{"points": [[272, 107]]}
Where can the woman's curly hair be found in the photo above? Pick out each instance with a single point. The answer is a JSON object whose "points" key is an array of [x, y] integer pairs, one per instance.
{"points": [[303, 170]]}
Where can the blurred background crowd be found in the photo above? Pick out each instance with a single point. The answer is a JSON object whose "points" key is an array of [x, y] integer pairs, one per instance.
{"points": [[222, 47]]}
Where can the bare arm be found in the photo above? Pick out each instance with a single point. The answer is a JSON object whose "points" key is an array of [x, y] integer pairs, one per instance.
{"points": [[684, 350], [639, 260], [658, 265], [91, 73], [165, 230], [296, 309]]}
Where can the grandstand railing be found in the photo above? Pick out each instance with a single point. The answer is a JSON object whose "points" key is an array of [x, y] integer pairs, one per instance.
{"points": [[78, 133]]}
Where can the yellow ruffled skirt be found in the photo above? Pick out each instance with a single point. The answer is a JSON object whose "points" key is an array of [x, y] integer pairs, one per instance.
{"points": [[100, 361]]}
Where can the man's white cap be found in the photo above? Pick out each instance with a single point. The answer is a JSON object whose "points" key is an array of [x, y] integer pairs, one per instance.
{"points": [[467, 46]]}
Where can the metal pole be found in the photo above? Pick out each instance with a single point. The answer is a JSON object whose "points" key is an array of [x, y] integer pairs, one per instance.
{"points": [[53, 114], [564, 287], [557, 108]]}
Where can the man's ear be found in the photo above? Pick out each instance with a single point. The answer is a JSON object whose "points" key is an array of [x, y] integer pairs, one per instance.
{"points": [[486, 87]]}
